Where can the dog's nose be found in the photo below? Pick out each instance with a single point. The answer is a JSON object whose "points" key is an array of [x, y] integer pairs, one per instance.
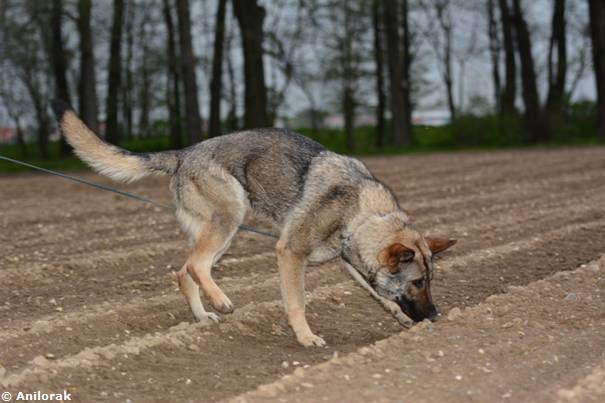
{"points": [[432, 313]]}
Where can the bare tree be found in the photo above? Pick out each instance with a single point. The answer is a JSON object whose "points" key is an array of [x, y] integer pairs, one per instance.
{"points": [[597, 33], [399, 127], [173, 89], [112, 130], [127, 88], [250, 18], [509, 94], [533, 112], [27, 24], [557, 75], [187, 59], [214, 127], [232, 119], [283, 38], [59, 61], [442, 43], [379, 61], [144, 74], [14, 106], [495, 48], [87, 89], [406, 69]]}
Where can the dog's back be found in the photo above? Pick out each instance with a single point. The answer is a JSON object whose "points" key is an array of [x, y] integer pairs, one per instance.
{"points": [[270, 164]]}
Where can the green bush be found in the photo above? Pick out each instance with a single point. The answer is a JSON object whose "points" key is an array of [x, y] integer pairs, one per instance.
{"points": [[488, 131]]}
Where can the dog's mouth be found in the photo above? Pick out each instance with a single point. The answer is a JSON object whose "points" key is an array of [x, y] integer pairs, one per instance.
{"points": [[410, 308]]}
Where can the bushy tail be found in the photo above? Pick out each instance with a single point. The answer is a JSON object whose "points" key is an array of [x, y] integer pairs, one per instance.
{"points": [[107, 159]]}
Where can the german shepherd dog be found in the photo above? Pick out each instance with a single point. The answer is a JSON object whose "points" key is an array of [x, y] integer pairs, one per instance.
{"points": [[324, 205]]}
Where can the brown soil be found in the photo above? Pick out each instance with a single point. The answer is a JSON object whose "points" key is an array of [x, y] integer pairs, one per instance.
{"points": [[89, 303]]}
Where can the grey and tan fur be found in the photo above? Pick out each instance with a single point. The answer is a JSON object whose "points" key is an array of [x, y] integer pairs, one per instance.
{"points": [[324, 205]]}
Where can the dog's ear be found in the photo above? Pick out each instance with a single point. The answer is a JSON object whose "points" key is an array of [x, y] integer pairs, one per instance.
{"points": [[393, 254], [437, 245]]}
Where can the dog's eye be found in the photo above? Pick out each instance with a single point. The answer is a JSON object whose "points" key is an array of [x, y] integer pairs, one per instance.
{"points": [[418, 283], [408, 256]]}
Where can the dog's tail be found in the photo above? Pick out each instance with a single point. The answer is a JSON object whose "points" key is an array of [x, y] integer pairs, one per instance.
{"points": [[107, 159]]}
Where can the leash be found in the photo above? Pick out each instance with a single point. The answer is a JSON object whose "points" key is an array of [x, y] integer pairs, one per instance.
{"points": [[119, 192]]}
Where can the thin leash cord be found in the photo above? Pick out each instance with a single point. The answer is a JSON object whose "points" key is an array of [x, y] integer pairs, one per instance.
{"points": [[120, 192]]}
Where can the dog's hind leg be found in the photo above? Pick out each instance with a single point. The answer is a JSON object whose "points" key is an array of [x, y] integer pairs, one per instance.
{"points": [[210, 211], [210, 245], [191, 291]]}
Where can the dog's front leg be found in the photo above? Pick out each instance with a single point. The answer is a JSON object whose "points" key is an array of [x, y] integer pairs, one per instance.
{"points": [[291, 273]]}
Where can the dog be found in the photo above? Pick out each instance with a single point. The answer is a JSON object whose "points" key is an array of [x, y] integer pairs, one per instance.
{"points": [[324, 205]]}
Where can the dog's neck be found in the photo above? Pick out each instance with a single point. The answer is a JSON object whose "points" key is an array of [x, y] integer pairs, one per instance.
{"points": [[368, 230], [361, 253]]}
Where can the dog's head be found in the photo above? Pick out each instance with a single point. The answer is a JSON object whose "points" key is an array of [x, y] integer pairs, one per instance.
{"points": [[398, 266], [405, 273]]}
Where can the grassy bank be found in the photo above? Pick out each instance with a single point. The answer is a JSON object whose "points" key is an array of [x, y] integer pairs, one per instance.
{"points": [[467, 133]]}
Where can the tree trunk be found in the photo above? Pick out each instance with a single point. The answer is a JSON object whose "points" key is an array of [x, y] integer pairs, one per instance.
{"points": [[250, 18], [348, 107], [557, 79], [406, 66], [87, 92], [59, 62], [444, 18], [112, 131], [533, 113], [597, 32], [173, 93], [19, 132], [145, 84], [127, 88], [217, 71], [43, 122], [232, 121], [509, 94], [21, 141], [192, 108], [379, 61], [400, 134], [494, 49]]}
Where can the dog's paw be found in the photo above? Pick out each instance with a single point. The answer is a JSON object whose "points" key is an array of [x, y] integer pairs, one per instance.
{"points": [[310, 340], [222, 304], [207, 318]]}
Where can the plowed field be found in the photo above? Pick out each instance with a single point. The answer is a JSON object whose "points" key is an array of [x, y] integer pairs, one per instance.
{"points": [[89, 301]]}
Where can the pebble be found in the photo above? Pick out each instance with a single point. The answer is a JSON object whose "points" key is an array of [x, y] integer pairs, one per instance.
{"points": [[188, 381], [454, 313], [193, 347], [376, 376], [458, 377], [285, 364], [307, 385], [572, 296], [295, 363], [50, 356], [440, 353], [40, 360]]}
